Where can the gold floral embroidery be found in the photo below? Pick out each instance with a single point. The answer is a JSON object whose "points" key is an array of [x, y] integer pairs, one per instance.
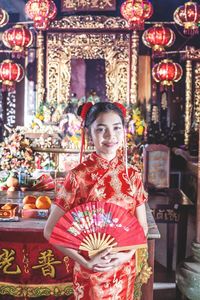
{"points": [[100, 193]]}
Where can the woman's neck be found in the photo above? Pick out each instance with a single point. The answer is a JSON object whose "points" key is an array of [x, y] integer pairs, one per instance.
{"points": [[106, 156]]}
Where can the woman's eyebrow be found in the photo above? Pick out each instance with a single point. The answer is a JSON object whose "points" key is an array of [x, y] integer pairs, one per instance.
{"points": [[100, 124]]}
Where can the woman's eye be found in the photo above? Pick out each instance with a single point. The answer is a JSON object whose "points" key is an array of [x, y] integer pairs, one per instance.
{"points": [[117, 128], [99, 129]]}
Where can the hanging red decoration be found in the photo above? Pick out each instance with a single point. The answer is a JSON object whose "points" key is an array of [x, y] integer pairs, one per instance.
{"points": [[136, 12], [17, 38], [4, 17], [42, 12], [10, 73], [167, 72], [158, 37], [188, 16]]}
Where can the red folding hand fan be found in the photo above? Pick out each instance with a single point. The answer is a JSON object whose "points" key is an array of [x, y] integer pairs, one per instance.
{"points": [[95, 226]]}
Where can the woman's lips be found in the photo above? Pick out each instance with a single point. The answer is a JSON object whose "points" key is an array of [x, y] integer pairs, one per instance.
{"points": [[110, 144]]}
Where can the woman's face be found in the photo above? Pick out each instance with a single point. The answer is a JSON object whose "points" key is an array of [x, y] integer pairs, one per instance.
{"points": [[107, 134]]}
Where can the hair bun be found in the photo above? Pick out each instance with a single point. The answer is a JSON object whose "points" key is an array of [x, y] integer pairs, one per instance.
{"points": [[84, 109]]}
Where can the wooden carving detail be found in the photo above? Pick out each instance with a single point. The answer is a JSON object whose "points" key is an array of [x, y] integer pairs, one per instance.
{"points": [[197, 94], [90, 22], [62, 47]]}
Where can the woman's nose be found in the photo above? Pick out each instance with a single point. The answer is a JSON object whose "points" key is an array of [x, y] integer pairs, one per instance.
{"points": [[108, 133]]}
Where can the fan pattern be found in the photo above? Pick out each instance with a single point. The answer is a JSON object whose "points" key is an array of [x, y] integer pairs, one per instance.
{"points": [[95, 226]]}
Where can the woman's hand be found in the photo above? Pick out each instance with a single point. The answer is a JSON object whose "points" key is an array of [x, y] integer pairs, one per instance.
{"points": [[106, 260]]}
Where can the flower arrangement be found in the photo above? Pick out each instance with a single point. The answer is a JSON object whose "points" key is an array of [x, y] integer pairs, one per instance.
{"points": [[136, 127], [16, 152], [136, 132]]}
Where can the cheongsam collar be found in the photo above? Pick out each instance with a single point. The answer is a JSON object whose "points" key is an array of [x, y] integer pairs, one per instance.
{"points": [[104, 163]]}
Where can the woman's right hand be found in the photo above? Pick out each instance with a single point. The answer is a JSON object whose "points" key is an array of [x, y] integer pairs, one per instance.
{"points": [[101, 259]]}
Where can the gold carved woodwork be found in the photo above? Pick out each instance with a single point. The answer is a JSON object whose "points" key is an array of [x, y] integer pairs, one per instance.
{"points": [[191, 54], [40, 69], [90, 22], [134, 67], [188, 100], [197, 94], [63, 46]]}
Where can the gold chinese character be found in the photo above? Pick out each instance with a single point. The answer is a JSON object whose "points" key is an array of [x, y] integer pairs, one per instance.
{"points": [[107, 3], [172, 215], [6, 260], [46, 261], [69, 4], [160, 214], [66, 261]]}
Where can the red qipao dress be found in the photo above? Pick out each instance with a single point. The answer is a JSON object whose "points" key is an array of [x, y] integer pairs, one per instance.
{"points": [[97, 179]]}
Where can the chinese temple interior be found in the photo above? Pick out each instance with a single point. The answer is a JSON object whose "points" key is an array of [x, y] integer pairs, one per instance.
{"points": [[57, 55]]}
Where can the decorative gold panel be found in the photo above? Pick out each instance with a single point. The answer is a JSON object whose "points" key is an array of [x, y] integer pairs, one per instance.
{"points": [[90, 22], [197, 94], [63, 46], [188, 100]]}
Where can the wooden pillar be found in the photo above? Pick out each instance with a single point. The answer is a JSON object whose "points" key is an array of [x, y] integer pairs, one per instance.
{"points": [[188, 272], [198, 198]]}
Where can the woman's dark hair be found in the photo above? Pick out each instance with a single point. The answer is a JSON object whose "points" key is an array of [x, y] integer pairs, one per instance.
{"points": [[98, 108]]}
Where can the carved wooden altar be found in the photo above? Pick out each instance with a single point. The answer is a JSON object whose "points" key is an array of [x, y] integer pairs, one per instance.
{"points": [[88, 37]]}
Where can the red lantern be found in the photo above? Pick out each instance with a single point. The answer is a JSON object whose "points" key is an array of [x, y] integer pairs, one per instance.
{"points": [[167, 72], [136, 12], [10, 73], [17, 38], [188, 16], [4, 17], [158, 37], [42, 12]]}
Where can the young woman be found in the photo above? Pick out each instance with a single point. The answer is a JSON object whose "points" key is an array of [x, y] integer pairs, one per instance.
{"points": [[103, 176]]}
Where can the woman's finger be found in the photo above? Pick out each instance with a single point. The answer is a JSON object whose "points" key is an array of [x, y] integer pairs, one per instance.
{"points": [[102, 269]]}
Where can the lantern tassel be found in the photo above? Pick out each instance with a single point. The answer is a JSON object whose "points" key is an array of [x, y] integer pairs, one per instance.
{"points": [[191, 32]]}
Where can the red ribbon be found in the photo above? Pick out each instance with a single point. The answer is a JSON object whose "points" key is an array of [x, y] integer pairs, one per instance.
{"points": [[85, 109], [121, 107]]}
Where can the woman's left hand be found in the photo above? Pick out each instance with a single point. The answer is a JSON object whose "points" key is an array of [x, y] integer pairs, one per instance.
{"points": [[113, 260]]}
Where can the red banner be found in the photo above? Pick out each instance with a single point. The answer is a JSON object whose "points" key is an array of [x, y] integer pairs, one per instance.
{"points": [[34, 270]]}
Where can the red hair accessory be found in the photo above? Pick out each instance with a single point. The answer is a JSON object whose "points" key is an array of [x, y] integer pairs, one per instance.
{"points": [[121, 107], [85, 109]]}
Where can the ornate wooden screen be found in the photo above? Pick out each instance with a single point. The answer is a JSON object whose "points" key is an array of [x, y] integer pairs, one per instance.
{"points": [[62, 47], [88, 37]]}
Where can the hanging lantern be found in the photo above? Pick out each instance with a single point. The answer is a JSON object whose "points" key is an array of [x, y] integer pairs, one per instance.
{"points": [[10, 73], [4, 17], [42, 12], [136, 12], [188, 16], [167, 72], [158, 37], [17, 38]]}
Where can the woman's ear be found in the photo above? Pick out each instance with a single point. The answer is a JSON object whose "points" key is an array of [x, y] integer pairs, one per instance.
{"points": [[87, 133]]}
